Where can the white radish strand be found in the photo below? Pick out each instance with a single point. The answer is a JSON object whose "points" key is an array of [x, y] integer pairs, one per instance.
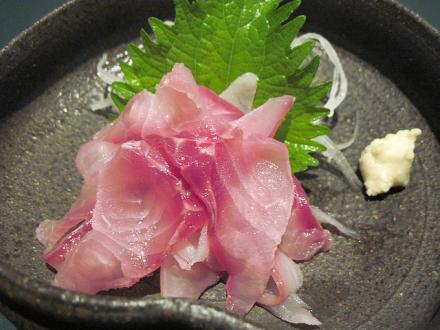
{"points": [[104, 102], [101, 103], [293, 310], [289, 279], [324, 218], [104, 74], [339, 88], [345, 145], [334, 154], [337, 95], [241, 92]]}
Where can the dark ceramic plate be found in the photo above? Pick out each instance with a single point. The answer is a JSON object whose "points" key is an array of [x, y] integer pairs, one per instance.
{"points": [[387, 280]]}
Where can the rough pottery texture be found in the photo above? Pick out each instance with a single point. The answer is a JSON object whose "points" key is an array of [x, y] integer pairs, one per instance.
{"points": [[389, 279]]}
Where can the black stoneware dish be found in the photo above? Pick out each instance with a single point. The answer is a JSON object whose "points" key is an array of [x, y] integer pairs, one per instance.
{"points": [[389, 279]]}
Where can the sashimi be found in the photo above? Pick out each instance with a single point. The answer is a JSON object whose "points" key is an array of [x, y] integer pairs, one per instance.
{"points": [[176, 282], [186, 182], [304, 236]]}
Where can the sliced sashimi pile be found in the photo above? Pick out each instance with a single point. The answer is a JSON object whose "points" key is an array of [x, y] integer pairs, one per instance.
{"points": [[191, 184]]}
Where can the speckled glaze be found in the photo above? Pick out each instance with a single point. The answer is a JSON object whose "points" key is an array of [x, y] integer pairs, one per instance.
{"points": [[390, 279]]}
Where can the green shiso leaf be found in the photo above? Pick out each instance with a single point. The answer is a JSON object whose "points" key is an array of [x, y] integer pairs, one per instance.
{"points": [[219, 41]]}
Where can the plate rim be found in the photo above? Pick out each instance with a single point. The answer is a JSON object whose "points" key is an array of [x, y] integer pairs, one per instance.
{"points": [[19, 288]]}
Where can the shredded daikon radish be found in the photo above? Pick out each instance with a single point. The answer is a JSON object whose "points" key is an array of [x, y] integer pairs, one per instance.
{"points": [[339, 88], [323, 217], [334, 154], [345, 145], [337, 95], [101, 103], [241, 92], [104, 74], [104, 101], [293, 310]]}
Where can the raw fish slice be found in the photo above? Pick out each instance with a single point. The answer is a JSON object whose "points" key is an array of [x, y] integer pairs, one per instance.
{"points": [[304, 236], [213, 120], [287, 278], [44, 232], [59, 252], [253, 200], [129, 124], [192, 249], [218, 107], [201, 152], [100, 150], [195, 161], [141, 204], [266, 119], [49, 232], [181, 106], [93, 266], [182, 283], [136, 113], [176, 102], [181, 80], [282, 300], [138, 226], [91, 158], [246, 188]]}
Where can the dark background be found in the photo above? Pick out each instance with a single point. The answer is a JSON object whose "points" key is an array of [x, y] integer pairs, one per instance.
{"points": [[16, 15]]}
